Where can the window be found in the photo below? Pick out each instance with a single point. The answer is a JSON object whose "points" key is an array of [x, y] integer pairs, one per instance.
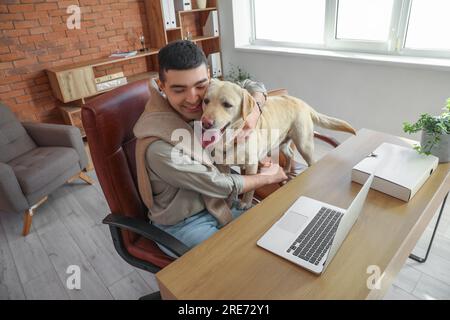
{"points": [[303, 23], [364, 19], [429, 26], [395, 27]]}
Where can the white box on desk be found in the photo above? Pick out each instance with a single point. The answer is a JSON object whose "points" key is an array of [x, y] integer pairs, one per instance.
{"points": [[399, 171]]}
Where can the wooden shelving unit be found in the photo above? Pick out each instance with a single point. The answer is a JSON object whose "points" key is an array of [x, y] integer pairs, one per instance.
{"points": [[76, 82], [191, 21]]}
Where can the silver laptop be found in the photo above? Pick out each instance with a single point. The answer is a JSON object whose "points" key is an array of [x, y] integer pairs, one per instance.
{"points": [[310, 232]]}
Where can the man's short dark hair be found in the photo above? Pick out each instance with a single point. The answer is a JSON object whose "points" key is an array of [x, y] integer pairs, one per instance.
{"points": [[180, 55]]}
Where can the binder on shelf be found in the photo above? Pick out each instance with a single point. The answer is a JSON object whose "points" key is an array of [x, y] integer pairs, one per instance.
{"points": [[173, 20], [215, 64], [399, 171], [211, 27], [183, 5], [168, 14]]}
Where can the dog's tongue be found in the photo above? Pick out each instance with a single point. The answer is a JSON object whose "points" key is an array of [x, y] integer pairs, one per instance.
{"points": [[208, 137], [206, 143]]}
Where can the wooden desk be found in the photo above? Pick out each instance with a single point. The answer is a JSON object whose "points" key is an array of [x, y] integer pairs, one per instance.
{"points": [[230, 265]]}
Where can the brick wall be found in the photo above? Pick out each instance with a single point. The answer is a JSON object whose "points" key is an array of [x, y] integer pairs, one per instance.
{"points": [[34, 36]]}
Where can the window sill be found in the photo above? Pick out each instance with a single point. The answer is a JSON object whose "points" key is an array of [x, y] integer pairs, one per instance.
{"points": [[406, 61]]}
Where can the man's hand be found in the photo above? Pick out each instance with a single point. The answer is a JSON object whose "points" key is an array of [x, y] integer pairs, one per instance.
{"points": [[274, 172], [253, 117]]}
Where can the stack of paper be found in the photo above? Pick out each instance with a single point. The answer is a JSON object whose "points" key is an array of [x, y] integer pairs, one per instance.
{"points": [[110, 81], [123, 54]]}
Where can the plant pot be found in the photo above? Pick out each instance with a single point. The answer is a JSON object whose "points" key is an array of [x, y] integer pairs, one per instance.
{"points": [[440, 149], [201, 4]]}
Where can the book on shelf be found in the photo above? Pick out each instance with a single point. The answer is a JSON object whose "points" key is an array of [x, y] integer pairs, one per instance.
{"points": [[125, 54], [111, 84], [109, 77]]}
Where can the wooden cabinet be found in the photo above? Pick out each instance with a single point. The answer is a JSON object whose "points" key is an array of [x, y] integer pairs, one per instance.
{"points": [[73, 84]]}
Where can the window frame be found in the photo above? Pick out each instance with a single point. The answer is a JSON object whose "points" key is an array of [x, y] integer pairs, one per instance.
{"points": [[395, 45]]}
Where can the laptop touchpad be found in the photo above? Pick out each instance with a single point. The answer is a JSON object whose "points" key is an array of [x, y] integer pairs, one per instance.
{"points": [[292, 221]]}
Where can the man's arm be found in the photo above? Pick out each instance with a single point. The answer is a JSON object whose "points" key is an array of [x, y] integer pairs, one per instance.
{"points": [[183, 172], [195, 176], [257, 90]]}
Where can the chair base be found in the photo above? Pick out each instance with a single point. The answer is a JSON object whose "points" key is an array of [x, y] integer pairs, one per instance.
{"points": [[152, 296]]}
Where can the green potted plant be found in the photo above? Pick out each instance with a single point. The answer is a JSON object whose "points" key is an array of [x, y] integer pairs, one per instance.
{"points": [[435, 134], [237, 74]]}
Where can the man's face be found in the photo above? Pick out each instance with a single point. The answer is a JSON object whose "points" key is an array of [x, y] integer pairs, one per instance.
{"points": [[185, 90]]}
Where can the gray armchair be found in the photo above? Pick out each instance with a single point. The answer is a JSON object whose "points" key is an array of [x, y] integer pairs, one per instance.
{"points": [[35, 159]]}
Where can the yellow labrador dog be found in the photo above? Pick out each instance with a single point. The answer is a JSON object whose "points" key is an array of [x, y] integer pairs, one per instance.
{"points": [[283, 119]]}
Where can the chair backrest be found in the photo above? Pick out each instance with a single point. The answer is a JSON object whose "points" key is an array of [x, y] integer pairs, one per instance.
{"points": [[108, 121], [14, 140]]}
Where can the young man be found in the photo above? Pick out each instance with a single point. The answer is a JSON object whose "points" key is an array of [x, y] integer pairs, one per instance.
{"points": [[187, 199]]}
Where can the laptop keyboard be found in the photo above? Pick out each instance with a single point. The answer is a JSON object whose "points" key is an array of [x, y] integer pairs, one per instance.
{"points": [[312, 244]]}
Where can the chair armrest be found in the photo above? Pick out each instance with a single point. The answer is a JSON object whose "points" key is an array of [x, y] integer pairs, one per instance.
{"points": [[58, 135], [12, 198], [148, 231], [330, 140]]}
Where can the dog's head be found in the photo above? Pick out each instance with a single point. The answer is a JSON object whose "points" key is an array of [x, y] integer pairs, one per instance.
{"points": [[225, 106]]}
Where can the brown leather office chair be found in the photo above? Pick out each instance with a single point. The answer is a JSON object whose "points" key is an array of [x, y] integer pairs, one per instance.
{"points": [[108, 121], [265, 191]]}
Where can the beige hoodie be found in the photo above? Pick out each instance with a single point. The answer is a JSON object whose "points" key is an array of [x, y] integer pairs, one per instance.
{"points": [[148, 129]]}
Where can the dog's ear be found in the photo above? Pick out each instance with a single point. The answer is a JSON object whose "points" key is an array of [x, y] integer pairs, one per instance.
{"points": [[214, 81], [248, 104]]}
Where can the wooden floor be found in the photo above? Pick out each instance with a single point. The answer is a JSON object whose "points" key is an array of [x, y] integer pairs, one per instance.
{"points": [[67, 230]]}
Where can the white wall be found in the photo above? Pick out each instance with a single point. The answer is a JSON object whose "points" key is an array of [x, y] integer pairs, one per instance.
{"points": [[368, 95]]}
